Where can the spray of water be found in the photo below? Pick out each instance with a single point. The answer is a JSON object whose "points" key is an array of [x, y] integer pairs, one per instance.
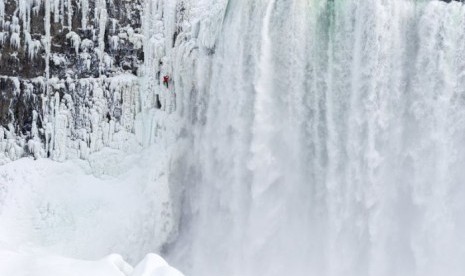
{"points": [[328, 140]]}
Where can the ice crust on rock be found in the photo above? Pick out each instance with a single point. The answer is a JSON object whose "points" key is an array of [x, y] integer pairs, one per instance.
{"points": [[40, 42], [94, 83]]}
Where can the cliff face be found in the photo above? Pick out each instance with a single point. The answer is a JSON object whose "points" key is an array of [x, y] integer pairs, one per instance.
{"points": [[67, 75], [80, 75]]}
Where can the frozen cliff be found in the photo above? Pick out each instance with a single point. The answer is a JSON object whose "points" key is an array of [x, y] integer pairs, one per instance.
{"points": [[68, 76], [79, 76], [81, 84]]}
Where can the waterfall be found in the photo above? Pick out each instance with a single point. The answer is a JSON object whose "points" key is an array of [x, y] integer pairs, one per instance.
{"points": [[327, 138]]}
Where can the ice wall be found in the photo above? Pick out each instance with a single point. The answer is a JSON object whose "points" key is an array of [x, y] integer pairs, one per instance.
{"points": [[68, 77]]}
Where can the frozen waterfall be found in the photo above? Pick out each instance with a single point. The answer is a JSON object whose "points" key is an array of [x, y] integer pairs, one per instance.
{"points": [[299, 137], [327, 138]]}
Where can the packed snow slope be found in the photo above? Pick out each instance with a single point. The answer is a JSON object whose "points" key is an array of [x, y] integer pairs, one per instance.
{"points": [[313, 137], [17, 264], [86, 209]]}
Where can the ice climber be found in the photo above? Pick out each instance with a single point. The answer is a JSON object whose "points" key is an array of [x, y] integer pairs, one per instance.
{"points": [[166, 79]]}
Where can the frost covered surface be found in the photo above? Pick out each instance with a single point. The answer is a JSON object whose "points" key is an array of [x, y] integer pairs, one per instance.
{"points": [[22, 264], [110, 203], [88, 209], [56, 62], [89, 69], [295, 137]]}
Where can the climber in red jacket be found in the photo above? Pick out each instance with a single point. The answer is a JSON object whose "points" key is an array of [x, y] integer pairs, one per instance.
{"points": [[166, 79]]}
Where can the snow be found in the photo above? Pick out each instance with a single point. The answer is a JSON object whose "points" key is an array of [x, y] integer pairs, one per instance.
{"points": [[109, 190], [154, 265], [329, 142], [29, 264], [113, 202]]}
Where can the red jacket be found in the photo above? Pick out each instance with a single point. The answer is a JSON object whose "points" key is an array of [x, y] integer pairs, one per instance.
{"points": [[166, 79]]}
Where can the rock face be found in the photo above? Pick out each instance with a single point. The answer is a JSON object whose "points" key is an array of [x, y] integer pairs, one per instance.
{"points": [[80, 75], [67, 75]]}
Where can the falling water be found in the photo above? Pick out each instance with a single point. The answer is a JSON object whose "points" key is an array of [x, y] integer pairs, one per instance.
{"points": [[329, 139]]}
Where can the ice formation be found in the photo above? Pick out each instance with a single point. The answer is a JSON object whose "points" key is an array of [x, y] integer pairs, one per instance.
{"points": [[84, 100], [75, 94], [92, 98], [312, 137]]}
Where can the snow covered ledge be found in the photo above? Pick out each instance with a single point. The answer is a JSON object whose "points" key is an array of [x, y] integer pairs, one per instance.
{"points": [[21, 264]]}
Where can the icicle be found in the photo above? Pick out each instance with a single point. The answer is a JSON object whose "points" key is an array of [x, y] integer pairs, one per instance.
{"points": [[101, 37], [15, 41], [34, 144], [16, 84], [75, 40], [47, 42], [36, 8], [34, 130], [33, 46], [70, 14], [3, 35], [27, 37], [2, 12], [114, 23], [62, 12], [114, 42], [84, 11], [25, 13], [14, 26], [56, 10]]}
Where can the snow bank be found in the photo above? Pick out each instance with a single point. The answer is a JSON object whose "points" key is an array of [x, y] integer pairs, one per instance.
{"points": [[23, 264], [154, 265], [113, 202]]}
